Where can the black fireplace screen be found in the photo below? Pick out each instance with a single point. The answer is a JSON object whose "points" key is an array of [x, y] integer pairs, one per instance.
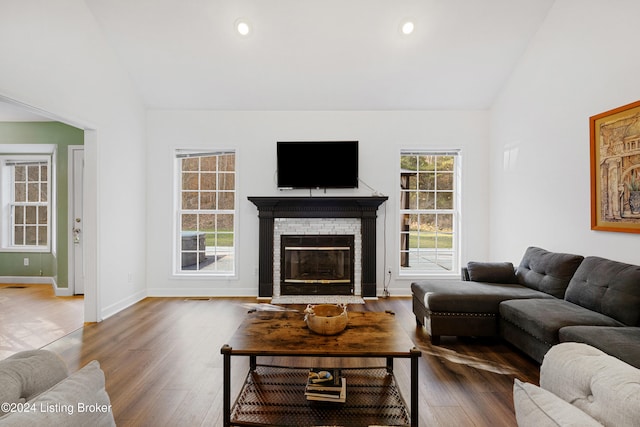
{"points": [[317, 259]]}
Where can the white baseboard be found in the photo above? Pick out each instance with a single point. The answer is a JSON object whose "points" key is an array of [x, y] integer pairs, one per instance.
{"points": [[37, 280], [27, 280], [122, 304], [62, 292], [199, 292]]}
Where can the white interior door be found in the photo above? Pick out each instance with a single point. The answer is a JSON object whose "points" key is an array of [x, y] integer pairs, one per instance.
{"points": [[76, 252]]}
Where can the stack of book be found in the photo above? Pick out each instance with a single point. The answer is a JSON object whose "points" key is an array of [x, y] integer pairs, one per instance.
{"points": [[326, 385]]}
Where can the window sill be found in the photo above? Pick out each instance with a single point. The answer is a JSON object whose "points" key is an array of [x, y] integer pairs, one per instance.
{"points": [[428, 275], [26, 249], [205, 274]]}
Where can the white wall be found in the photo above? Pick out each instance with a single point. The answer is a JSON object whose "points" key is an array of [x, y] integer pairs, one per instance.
{"points": [[254, 135], [583, 61], [53, 58]]}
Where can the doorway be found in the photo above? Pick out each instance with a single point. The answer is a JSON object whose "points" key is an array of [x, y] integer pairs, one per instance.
{"points": [[12, 110]]}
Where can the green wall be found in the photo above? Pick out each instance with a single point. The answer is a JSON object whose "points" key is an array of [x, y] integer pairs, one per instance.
{"points": [[44, 264]]}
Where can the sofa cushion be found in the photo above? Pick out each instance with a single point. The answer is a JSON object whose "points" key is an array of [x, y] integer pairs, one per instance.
{"points": [[623, 343], [80, 400], [543, 318], [548, 272], [537, 407], [608, 287], [28, 373], [494, 272], [458, 296]]}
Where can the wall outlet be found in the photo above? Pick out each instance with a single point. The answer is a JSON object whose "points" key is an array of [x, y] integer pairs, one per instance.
{"points": [[26, 262]]}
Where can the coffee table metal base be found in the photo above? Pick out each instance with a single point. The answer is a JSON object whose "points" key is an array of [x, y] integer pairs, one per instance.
{"points": [[274, 395]]}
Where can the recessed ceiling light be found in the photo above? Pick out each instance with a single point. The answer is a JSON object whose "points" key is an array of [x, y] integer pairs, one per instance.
{"points": [[407, 27], [242, 27]]}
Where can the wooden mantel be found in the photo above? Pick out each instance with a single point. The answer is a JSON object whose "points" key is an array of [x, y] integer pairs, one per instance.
{"points": [[269, 208]]}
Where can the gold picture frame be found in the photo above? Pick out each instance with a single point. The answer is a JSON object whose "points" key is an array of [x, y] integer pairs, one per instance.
{"points": [[615, 169]]}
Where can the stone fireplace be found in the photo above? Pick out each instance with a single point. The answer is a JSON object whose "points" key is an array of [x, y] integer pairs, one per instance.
{"points": [[321, 228]]}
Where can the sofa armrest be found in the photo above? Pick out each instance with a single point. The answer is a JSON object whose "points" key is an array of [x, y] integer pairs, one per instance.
{"points": [[79, 400], [536, 407], [600, 385], [28, 373]]}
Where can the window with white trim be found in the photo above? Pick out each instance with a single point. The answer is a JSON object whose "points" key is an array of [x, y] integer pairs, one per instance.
{"points": [[26, 203], [429, 212], [206, 216]]}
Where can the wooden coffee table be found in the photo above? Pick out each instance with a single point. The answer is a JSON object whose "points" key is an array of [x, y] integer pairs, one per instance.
{"points": [[275, 395]]}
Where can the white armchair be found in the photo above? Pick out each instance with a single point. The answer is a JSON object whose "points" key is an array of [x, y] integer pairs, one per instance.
{"points": [[580, 386]]}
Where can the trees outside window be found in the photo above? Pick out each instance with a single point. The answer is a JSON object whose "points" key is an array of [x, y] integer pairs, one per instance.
{"points": [[206, 206], [429, 212]]}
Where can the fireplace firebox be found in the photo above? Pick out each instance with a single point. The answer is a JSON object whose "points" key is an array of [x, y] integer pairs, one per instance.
{"points": [[317, 265]]}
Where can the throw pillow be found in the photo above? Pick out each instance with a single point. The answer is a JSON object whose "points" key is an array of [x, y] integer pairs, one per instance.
{"points": [[493, 272]]}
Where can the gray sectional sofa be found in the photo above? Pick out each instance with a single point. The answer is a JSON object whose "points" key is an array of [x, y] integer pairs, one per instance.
{"points": [[549, 298]]}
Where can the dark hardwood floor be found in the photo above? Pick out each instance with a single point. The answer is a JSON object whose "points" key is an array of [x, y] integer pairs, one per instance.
{"points": [[163, 366]]}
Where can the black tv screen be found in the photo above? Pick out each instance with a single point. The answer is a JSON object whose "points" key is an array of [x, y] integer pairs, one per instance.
{"points": [[317, 164]]}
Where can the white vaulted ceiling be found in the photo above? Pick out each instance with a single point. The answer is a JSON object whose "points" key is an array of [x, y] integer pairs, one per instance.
{"points": [[319, 54]]}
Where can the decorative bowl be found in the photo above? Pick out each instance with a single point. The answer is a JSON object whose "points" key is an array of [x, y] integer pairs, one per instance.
{"points": [[326, 319]]}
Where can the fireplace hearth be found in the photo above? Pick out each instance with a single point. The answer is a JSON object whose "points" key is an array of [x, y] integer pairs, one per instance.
{"points": [[317, 265]]}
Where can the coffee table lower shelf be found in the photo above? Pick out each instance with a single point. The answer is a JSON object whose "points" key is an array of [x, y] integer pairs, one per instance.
{"points": [[274, 395]]}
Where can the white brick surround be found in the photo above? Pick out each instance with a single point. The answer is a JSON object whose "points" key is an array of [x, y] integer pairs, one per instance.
{"points": [[318, 226]]}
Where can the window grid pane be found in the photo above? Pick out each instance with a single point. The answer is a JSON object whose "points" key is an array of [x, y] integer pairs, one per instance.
{"points": [[207, 213], [29, 204], [428, 213]]}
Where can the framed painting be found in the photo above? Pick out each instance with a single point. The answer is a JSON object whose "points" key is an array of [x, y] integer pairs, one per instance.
{"points": [[615, 169]]}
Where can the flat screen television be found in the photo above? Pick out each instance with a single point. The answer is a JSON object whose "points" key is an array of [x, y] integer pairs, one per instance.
{"points": [[317, 164]]}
